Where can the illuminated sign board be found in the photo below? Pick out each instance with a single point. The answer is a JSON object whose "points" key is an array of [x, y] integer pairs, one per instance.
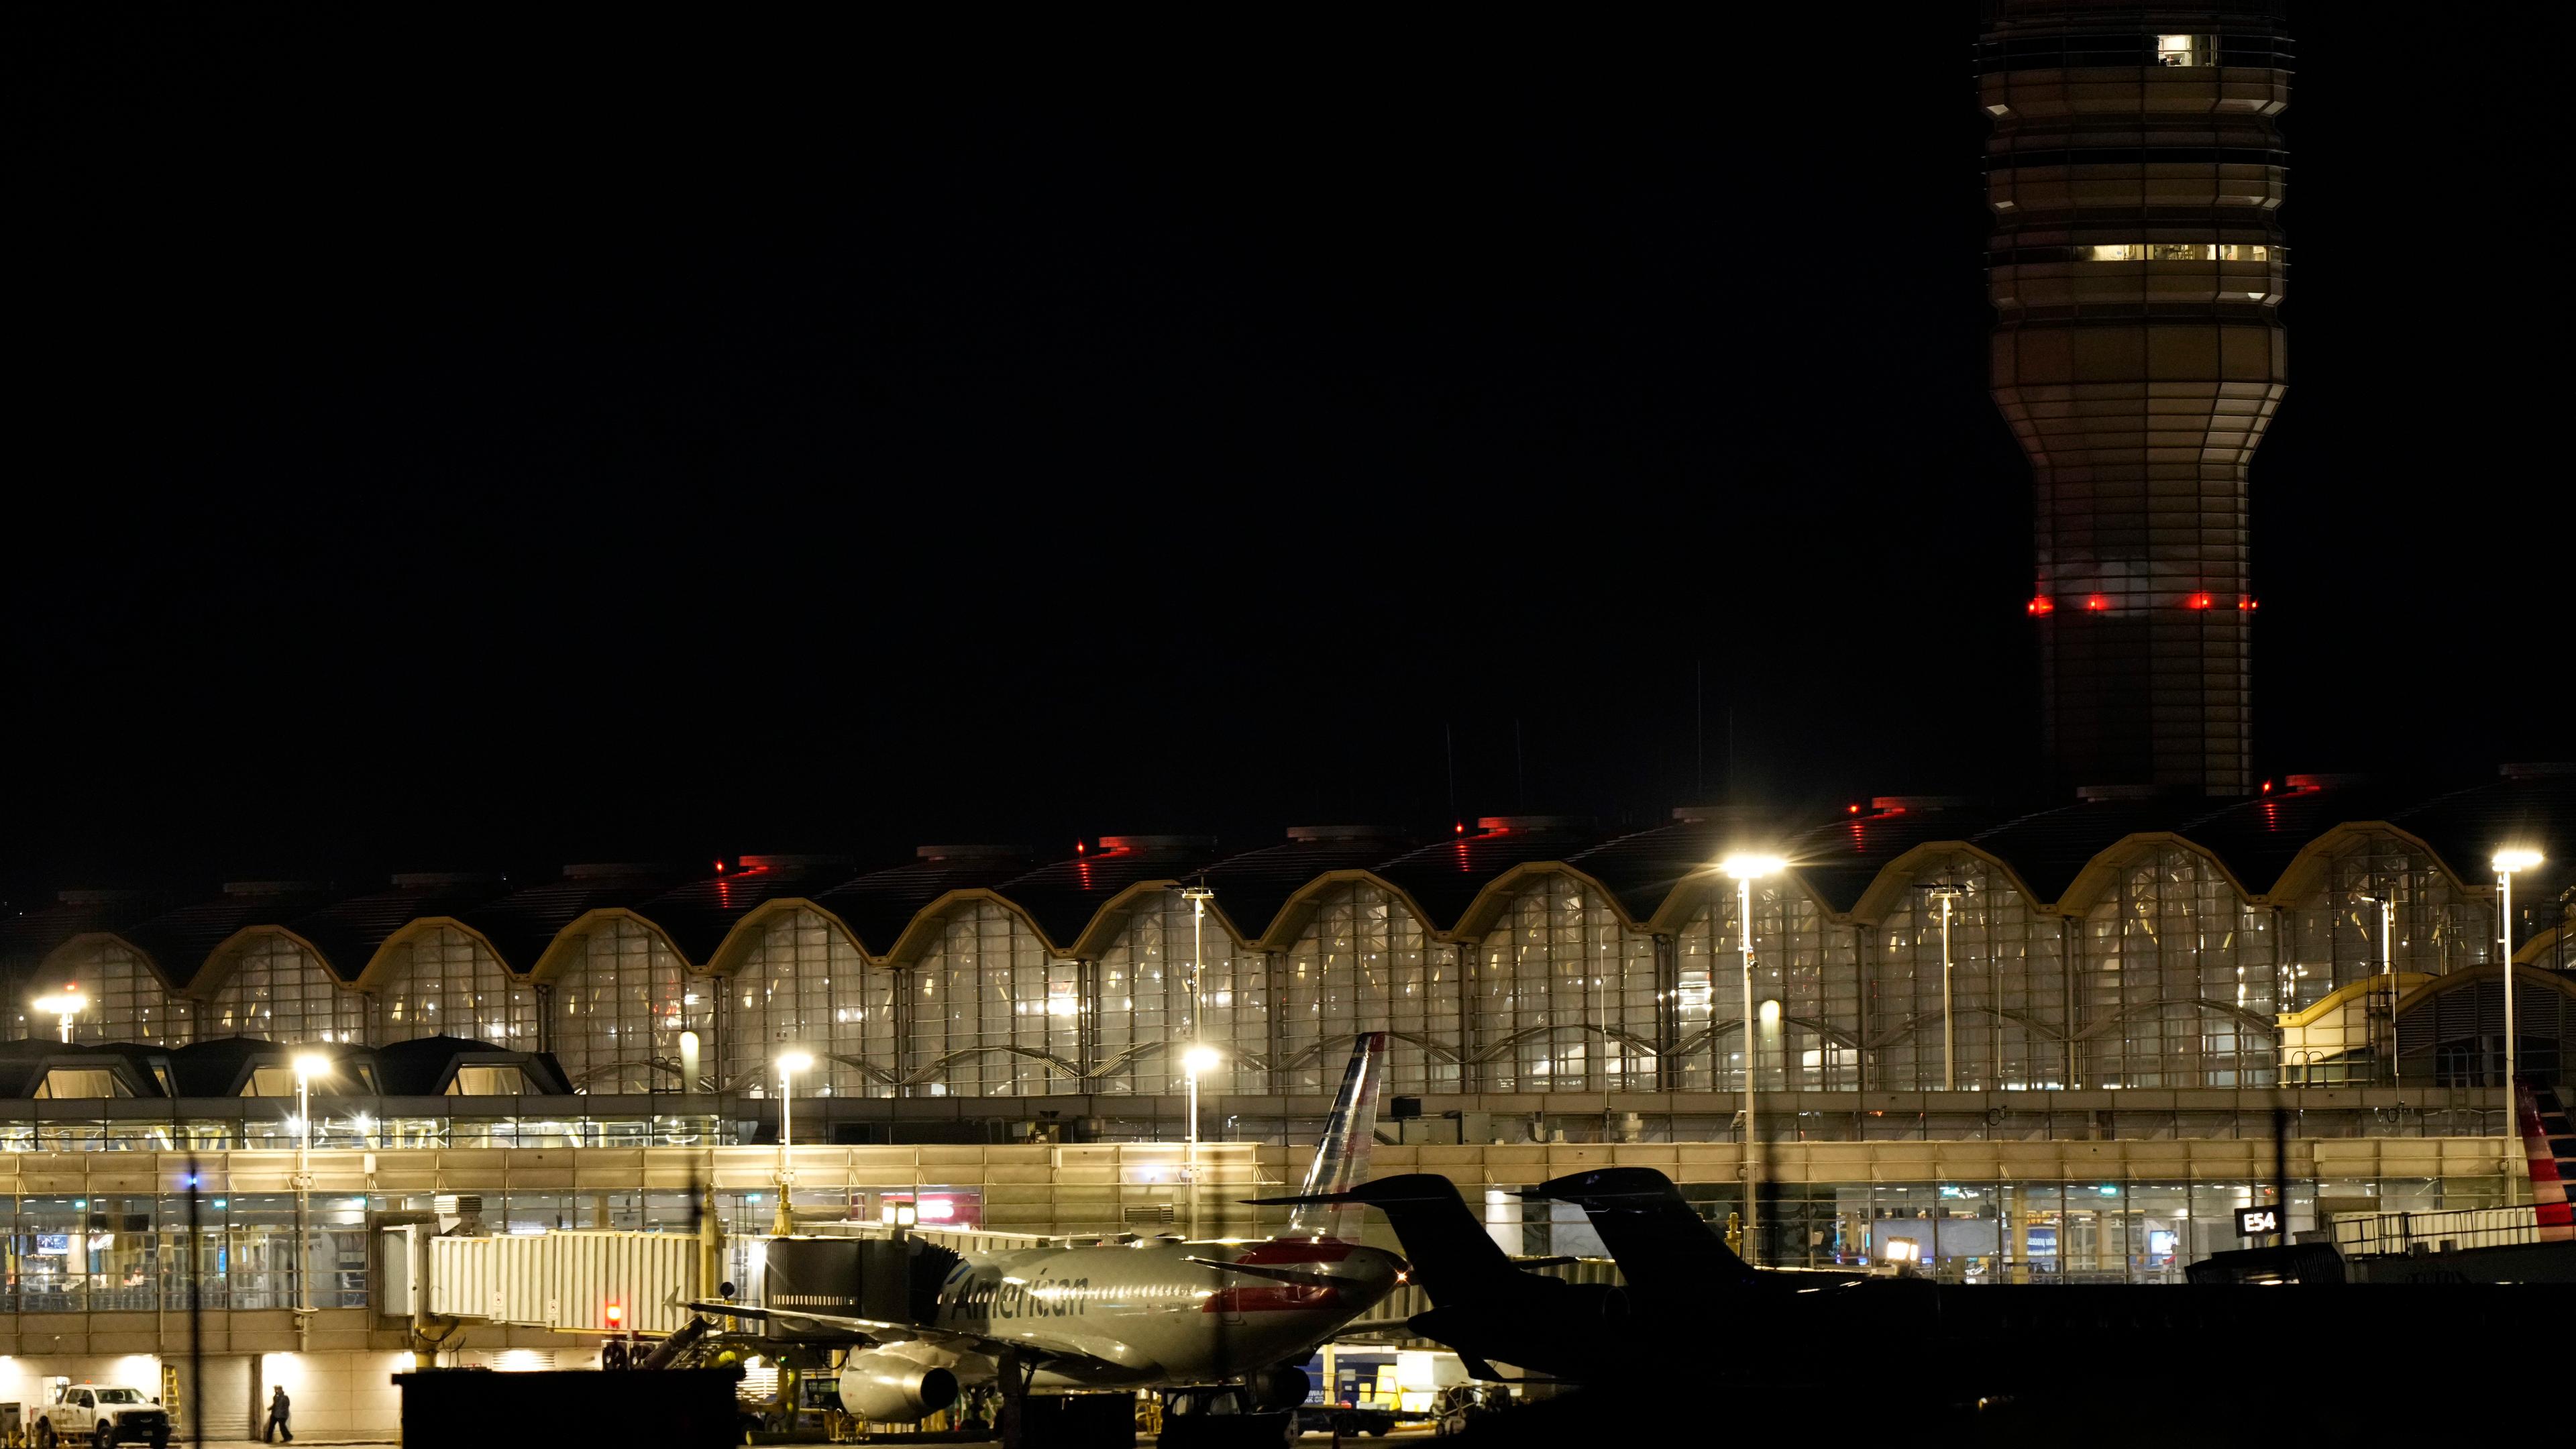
{"points": [[2257, 1222], [53, 1245]]}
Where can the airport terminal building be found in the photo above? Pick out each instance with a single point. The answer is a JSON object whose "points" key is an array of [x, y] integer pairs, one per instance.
{"points": [[2137, 981]]}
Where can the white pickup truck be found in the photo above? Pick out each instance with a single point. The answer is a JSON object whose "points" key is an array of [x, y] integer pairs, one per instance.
{"points": [[102, 1415]]}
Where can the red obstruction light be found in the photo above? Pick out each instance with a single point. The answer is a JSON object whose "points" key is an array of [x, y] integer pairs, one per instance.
{"points": [[2267, 787], [2097, 603], [2042, 604], [1079, 848], [616, 1316], [1851, 809], [2200, 601], [1458, 829], [2247, 604]]}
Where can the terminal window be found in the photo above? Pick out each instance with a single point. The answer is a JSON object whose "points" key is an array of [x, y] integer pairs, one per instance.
{"points": [[2186, 50]]}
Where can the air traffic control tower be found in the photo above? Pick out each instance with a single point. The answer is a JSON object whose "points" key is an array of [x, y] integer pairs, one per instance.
{"points": [[2135, 175]]}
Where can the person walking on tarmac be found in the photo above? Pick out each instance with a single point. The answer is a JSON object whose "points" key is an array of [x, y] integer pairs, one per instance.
{"points": [[279, 1406]]}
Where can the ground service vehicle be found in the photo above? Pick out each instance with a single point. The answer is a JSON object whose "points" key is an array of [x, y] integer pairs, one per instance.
{"points": [[102, 1415]]}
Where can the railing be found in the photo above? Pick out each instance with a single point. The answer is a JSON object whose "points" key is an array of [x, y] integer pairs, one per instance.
{"points": [[2362, 1235]]}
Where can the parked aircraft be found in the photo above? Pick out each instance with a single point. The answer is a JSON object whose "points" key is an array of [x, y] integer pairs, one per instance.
{"points": [[1220, 1326]]}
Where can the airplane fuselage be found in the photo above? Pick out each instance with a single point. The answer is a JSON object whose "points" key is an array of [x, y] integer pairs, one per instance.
{"points": [[1146, 1315]]}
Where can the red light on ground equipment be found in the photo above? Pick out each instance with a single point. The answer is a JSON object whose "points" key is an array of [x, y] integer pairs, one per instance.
{"points": [[1458, 829], [2200, 601], [616, 1317], [2247, 604], [2097, 603], [1851, 809], [2267, 787], [2041, 605]]}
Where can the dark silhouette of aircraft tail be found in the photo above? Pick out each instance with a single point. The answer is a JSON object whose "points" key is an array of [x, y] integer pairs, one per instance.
{"points": [[1453, 1258], [1663, 1246]]}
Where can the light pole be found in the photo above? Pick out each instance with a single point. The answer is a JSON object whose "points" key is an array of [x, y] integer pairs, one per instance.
{"points": [[66, 1003], [1746, 869], [308, 1065], [1199, 1058], [789, 1064], [1945, 894], [2506, 863], [1198, 897], [2388, 971]]}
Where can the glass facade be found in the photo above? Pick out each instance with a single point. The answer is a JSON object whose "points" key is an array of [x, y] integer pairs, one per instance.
{"points": [[994, 1013], [446, 983], [2335, 934], [805, 985], [124, 1001], [2167, 978], [1145, 1009], [1563, 998], [117, 1253], [2007, 988], [1806, 969], [278, 991], [620, 1007], [1363, 963], [2178, 982]]}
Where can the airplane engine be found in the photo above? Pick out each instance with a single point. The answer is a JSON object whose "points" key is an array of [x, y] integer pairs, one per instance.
{"points": [[891, 1389], [1282, 1387]]}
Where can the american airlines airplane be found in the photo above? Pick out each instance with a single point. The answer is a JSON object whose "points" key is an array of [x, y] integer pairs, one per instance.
{"points": [[1220, 1327]]}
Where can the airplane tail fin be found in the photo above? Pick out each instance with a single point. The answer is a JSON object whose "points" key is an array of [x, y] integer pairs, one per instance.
{"points": [[1341, 1159], [2549, 1139], [1659, 1240], [1450, 1252]]}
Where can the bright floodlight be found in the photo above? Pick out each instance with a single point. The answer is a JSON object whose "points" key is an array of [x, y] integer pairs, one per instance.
{"points": [[2509, 861], [1752, 867], [66, 1002], [1200, 1059], [312, 1064], [792, 1062]]}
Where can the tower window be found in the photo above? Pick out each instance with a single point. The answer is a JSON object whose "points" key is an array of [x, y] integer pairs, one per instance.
{"points": [[2175, 252], [2186, 49]]}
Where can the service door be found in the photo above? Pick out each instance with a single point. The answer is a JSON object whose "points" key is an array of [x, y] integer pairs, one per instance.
{"points": [[230, 1390]]}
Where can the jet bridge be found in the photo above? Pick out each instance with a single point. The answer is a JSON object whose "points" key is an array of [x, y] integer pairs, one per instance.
{"points": [[601, 1281]]}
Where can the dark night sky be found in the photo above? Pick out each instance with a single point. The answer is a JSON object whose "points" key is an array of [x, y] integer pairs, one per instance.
{"points": [[458, 445]]}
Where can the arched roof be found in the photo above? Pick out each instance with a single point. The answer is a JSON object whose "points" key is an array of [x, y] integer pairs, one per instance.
{"points": [[380, 965], [1446, 879], [751, 928], [57, 960], [220, 962], [567, 948], [2273, 848], [1298, 910], [879, 906]]}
